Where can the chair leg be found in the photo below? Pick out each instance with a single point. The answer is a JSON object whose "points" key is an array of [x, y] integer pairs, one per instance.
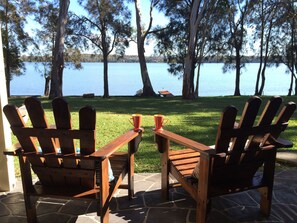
{"points": [[266, 200], [30, 210], [202, 190], [131, 177], [163, 147], [104, 215], [104, 192], [165, 176], [27, 187], [201, 211], [268, 177], [102, 210]]}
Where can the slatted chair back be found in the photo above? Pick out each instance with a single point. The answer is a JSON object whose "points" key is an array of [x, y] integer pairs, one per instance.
{"points": [[240, 148], [231, 165], [64, 158], [54, 145]]}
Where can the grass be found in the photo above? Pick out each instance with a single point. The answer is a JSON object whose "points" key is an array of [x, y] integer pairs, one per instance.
{"points": [[196, 119]]}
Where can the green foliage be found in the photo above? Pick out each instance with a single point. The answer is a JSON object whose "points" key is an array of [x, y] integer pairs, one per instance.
{"points": [[172, 40], [47, 15], [16, 65], [14, 38], [286, 52], [107, 26], [197, 119]]}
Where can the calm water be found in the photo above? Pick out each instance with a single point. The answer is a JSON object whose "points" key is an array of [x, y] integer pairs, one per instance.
{"points": [[125, 79]]}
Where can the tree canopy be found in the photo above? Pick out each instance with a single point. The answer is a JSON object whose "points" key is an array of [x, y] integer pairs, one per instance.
{"points": [[13, 17]]}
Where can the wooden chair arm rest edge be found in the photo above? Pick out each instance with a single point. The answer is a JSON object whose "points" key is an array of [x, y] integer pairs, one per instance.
{"points": [[280, 143], [185, 141], [114, 145], [284, 143], [14, 150]]}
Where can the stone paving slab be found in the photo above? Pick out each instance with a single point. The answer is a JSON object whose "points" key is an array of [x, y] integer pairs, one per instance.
{"points": [[287, 156], [148, 207]]}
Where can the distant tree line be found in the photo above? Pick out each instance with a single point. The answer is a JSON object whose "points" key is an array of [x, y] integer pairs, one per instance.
{"points": [[134, 59], [98, 58], [226, 31]]}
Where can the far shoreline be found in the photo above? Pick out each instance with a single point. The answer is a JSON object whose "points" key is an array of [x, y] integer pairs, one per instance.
{"points": [[91, 58]]}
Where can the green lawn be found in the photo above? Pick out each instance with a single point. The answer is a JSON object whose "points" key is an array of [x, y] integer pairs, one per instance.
{"points": [[196, 119]]}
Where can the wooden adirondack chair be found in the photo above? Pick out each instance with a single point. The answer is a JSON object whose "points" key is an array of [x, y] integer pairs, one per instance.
{"points": [[232, 165], [63, 171]]}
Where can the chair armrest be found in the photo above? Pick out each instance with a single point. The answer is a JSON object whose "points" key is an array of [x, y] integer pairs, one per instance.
{"points": [[280, 143], [114, 145], [284, 143], [185, 141], [14, 150]]}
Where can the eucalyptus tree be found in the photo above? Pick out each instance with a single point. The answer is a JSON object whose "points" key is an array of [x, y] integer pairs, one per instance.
{"points": [[142, 34], [210, 38], [193, 33], [58, 55], [47, 15], [13, 14], [237, 13], [197, 11], [265, 17], [106, 29], [288, 45]]}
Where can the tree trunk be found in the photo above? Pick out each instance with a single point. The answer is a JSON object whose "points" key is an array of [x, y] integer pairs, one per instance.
{"points": [[188, 84], [291, 84], [295, 86], [260, 65], [7, 56], [105, 48], [46, 85], [58, 59], [265, 59], [189, 70], [261, 51], [196, 94], [200, 59], [263, 78], [8, 86], [147, 86], [258, 78], [105, 75], [197, 12], [237, 75]]}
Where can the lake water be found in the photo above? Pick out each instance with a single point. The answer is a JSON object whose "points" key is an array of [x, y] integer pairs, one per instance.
{"points": [[125, 79]]}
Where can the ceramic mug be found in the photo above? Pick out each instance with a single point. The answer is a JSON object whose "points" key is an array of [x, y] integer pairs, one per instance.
{"points": [[136, 121], [159, 121]]}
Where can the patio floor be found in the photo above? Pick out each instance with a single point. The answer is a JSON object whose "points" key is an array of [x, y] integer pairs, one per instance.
{"points": [[148, 207]]}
